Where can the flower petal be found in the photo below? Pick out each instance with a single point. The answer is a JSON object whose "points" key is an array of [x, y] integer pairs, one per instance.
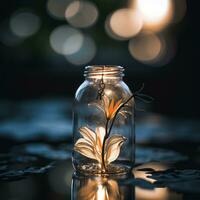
{"points": [[99, 106], [124, 113], [111, 107], [106, 101], [88, 134], [113, 146], [100, 133], [85, 151], [117, 105], [83, 143]]}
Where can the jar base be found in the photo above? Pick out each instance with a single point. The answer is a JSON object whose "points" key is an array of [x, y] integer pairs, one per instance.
{"points": [[94, 169]]}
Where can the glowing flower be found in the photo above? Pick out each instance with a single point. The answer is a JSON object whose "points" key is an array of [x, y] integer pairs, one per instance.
{"points": [[92, 143], [110, 107], [99, 189]]}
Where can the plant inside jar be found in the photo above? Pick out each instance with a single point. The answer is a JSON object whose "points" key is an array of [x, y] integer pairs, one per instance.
{"points": [[99, 145]]}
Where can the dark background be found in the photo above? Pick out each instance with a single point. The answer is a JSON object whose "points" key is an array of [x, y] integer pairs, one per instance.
{"points": [[36, 88], [31, 69]]}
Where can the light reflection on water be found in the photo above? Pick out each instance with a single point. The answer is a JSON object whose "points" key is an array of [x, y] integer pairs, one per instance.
{"points": [[100, 188], [121, 188], [61, 183], [141, 172], [156, 194]]}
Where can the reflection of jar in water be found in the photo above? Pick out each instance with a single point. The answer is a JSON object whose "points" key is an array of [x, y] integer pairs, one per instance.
{"points": [[103, 123], [101, 188]]}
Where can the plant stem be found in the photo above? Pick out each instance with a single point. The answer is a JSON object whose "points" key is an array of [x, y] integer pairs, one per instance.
{"points": [[107, 132], [118, 112], [103, 147]]}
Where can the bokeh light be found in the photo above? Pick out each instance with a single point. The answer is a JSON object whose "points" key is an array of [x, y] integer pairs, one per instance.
{"points": [[85, 54], [152, 49], [7, 37], [56, 8], [77, 48], [123, 24], [73, 43], [168, 50], [24, 24], [146, 47], [66, 40], [156, 14], [81, 14], [180, 8]]}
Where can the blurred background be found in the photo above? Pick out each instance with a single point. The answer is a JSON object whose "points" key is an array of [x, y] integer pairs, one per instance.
{"points": [[46, 44], [44, 47]]}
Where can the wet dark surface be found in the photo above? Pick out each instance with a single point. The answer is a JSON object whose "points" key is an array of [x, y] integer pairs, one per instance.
{"points": [[35, 158]]}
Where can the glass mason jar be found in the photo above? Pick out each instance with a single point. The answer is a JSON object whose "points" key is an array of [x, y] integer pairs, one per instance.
{"points": [[103, 120]]}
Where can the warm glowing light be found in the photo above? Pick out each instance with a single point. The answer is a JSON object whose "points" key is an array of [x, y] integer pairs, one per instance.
{"points": [[157, 193], [24, 24], [72, 9], [153, 10], [124, 23], [56, 8], [85, 53], [81, 14], [156, 14], [142, 173], [152, 49], [102, 193], [99, 188], [145, 48], [66, 40]]}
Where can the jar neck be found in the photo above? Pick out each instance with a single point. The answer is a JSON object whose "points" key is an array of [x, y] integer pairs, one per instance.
{"points": [[105, 72]]}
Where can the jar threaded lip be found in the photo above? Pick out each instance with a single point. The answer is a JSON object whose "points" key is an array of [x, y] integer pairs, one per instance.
{"points": [[107, 71]]}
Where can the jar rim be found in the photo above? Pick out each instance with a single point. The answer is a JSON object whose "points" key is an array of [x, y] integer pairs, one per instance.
{"points": [[108, 71]]}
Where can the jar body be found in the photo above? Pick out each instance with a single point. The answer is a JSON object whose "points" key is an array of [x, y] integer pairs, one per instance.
{"points": [[103, 132]]}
